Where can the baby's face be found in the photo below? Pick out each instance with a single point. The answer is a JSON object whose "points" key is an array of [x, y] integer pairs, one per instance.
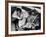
{"points": [[18, 14]]}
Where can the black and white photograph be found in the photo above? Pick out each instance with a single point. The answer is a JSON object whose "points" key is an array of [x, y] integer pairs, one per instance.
{"points": [[25, 18]]}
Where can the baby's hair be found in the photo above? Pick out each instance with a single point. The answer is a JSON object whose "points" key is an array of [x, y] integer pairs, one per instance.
{"points": [[18, 9]]}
